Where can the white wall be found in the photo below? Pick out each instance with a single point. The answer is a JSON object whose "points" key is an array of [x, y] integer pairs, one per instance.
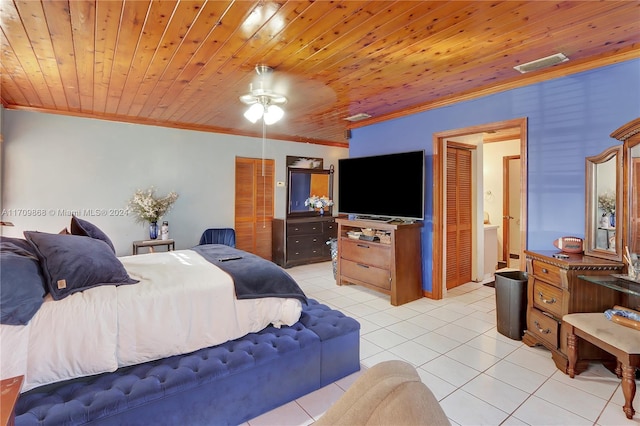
{"points": [[55, 164]]}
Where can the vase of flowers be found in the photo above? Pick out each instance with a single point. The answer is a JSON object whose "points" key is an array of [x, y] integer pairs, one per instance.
{"points": [[153, 230], [315, 202], [149, 208], [607, 203]]}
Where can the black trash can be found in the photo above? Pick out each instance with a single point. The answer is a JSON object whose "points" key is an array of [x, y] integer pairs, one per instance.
{"points": [[511, 303]]}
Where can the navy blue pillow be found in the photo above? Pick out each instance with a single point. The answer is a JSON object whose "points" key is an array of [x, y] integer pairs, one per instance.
{"points": [[72, 263], [16, 245], [22, 287], [87, 229]]}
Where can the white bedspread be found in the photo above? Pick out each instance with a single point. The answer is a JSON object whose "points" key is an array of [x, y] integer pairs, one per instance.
{"points": [[182, 303]]}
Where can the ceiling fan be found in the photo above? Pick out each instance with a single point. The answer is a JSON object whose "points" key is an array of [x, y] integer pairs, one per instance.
{"points": [[264, 102]]}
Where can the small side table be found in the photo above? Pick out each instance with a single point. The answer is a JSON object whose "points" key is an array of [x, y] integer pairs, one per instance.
{"points": [[152, 244], [9, 392]]}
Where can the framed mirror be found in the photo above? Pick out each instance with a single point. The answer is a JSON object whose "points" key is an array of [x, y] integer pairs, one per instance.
{"points": [[305, 183], [629, 134], [633, 198], [603, 236]]}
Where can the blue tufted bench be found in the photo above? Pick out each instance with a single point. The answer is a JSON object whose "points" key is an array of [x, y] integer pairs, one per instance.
{"points": [[225, 384]]}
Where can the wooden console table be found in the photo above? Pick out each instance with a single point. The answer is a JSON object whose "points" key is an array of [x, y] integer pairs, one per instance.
{"points": [[394, 268], [152, 244]]}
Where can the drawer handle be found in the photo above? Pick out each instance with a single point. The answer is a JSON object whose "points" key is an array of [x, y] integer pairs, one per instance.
{"points": [[362, 266], [537, 324], [545, 271], [363, 245], [547, 301]]}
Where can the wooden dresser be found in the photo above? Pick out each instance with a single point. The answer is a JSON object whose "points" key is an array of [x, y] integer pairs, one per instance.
{"points": [[554, 290], [302, 240], [394, 268]]}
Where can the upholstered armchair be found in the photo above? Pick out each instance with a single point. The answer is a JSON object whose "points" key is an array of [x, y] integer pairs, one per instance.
{"points": [[226, 236], [389, 393]]}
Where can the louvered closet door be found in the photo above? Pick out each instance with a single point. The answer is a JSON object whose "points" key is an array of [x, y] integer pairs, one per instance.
{"points": [[254, 205], [458, 230]]}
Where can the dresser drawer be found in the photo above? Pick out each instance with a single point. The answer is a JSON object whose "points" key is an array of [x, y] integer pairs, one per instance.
{"points": [[366, 253], [304, 228], [547, 272], [304, 242], [544, 327], [548, 298], [297, 254], [330, 229], [369, 274]]}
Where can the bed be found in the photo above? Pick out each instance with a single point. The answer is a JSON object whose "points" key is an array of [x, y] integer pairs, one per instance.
{"points": [[158, 312]]}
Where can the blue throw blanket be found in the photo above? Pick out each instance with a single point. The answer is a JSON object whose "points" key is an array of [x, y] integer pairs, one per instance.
{"points": [[253, 276]]}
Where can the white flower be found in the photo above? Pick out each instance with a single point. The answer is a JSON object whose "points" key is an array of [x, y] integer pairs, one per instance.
{"points": [[318, 202], [607, 202], [148, 208]]}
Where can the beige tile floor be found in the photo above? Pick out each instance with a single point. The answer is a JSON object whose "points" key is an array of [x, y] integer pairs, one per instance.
{"points": [[478, 375]]}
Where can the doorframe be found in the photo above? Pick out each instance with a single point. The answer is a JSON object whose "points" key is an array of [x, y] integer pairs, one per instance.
{"points": [[506, 198], [439, 168]]}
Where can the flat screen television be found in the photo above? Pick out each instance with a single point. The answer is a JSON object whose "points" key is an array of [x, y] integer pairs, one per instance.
{"points": [[384, 187]]}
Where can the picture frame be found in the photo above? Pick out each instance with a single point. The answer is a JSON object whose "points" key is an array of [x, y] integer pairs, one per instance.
{"points": [[304, 162]]}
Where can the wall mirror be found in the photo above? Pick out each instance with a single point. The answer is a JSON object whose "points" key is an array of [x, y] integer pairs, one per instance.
{"points": [[603, 236], [304, 183]]}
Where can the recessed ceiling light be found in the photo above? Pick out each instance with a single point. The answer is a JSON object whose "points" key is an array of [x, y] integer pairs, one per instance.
{"points": [[358, 117], [541, 63]]}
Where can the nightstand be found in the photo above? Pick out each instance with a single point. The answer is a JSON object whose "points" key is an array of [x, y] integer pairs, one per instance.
{"points": [[152, 244], [9, 393]]}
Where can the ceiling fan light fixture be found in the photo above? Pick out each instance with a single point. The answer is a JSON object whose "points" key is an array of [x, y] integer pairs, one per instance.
{"points": [[254, 112], [262, 100], [273, 114]]}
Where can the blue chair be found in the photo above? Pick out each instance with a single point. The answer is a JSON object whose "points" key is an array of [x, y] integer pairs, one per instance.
{"points": [[226, 236]]}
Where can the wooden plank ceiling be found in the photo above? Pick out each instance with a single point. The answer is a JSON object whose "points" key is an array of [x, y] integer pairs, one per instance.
{"points": [[185, 63]]}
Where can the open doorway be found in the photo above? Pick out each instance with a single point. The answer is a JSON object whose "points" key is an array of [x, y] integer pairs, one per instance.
{"points": [[511, 128]]}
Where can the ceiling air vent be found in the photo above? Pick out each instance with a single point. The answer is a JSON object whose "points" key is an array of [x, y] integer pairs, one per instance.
{"points": [[358, 117], [539, 64]]}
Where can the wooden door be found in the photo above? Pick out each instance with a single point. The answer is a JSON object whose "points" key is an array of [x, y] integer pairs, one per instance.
{"points": [[254, 205], [459, 217], [511, 209]]}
